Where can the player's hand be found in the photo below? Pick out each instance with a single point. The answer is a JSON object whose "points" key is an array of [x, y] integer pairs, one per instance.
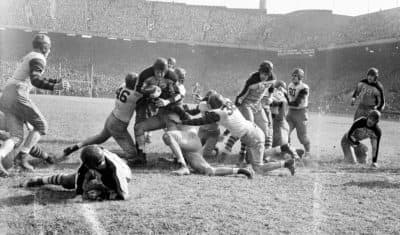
{"points": [[353, 101], [162, 102], [374, 165], [197, 97], [62, 85]]}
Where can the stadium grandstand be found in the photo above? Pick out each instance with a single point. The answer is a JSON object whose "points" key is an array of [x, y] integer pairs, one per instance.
{"points": [[97, 41]]}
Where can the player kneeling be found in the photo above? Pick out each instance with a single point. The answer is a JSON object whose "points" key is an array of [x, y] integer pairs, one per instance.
{"points": [[226, 114], [362, 128], [102, 176]]}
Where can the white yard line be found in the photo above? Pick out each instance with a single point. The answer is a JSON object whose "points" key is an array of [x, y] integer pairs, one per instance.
{"points": [[317, 211], [90, 215]]}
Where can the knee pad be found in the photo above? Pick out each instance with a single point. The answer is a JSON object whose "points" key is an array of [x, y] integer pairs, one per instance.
{"points": [[166, 138]]}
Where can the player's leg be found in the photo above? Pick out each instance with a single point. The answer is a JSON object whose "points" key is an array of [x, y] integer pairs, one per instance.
{"points": [[209, 149], [263, 119], [119, 131], [255, 148], [361, 152], [347, 150], [67, 181], [99, 138], [291, 122], [302, 133], [35, 118], [362, 111], [150, 124]]}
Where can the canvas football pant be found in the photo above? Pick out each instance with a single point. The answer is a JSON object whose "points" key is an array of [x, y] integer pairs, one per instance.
{"points": [[298, 119], [280, 133], [362, 111], [160, 121], [18, 108], [254, 141], [354, 154], [209, 136], [189, 149], [119, 131]]}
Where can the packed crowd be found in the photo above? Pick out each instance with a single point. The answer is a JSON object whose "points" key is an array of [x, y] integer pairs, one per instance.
{"points": [[179, 22]]}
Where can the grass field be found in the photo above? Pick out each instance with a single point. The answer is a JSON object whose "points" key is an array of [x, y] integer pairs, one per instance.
{"points": [[329, 197]]}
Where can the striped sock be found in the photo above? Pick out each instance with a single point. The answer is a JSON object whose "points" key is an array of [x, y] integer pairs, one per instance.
{"points": [[231, 141], [54, 179], [242, 149], [37, 152]]}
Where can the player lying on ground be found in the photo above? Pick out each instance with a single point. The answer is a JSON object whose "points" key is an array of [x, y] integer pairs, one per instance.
{"points": [[227, 115], [18, 107], [186, 147], [370, 93], [116, 125], [362, 128], [209, 134], [102, 176], [297, 117]]}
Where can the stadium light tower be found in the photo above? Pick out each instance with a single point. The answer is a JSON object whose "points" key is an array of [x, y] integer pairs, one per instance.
{"points": [[263, 5]]}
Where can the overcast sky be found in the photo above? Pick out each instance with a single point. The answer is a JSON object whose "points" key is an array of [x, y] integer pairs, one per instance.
{"points": [[343, 7]]}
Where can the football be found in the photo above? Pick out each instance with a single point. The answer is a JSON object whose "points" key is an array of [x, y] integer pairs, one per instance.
{"points": [[153, 91]]}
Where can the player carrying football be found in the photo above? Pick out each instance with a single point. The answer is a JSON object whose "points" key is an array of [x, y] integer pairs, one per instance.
{"points": [[226, 114], [18, 107], [297, 117], [116, 125], [362, 128], [371, 94], [102, 176], [156, 76]]}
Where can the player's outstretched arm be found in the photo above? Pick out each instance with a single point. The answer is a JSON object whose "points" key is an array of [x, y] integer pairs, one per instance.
{"points": [[36, 67]]}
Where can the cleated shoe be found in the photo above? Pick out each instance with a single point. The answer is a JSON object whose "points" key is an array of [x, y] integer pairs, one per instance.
{"points": [[249, 173], [181, 171], [67, 151], [290, 165], [23, 163]]}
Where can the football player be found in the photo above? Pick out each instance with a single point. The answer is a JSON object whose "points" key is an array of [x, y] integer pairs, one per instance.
{"points": [[102, 175], [227, 115], [297, 117], [370, 93], [249, 103], [187, 149], [116, 125], [18, 107], [171, 63], [362, 128], [209, 134], [168, 101], [279, 107]]}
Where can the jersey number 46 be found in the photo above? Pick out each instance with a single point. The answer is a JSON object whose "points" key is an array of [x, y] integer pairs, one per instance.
{"points": [[122, 94]]}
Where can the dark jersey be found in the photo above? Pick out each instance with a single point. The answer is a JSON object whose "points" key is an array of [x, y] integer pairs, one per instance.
{"points": [[149, 72], [360, 131], [254, 78]]}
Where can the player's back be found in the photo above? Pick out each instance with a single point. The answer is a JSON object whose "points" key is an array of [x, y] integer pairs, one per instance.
{"points": [[232, 119], [22, 72], [125, 103]]}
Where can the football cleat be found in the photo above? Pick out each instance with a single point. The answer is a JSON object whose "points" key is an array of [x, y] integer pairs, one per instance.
{"points": [[181, 171], [290, 165], [249, 173], [34, 182], [67, 151], [374, 165], [23, 163]]}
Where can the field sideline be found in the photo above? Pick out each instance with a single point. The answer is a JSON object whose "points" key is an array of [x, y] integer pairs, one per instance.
{"points": [[327, 198]]}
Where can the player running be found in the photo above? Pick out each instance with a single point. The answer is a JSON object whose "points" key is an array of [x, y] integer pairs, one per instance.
{"points": [[226, 114], [18, 107], [279, 107], [370, 93], [297, 117], [116, 125], [102, 175], [187, 149], [362, 128]]}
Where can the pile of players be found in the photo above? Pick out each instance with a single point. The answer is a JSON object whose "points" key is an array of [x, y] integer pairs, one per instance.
{"points": [[262, 117]]}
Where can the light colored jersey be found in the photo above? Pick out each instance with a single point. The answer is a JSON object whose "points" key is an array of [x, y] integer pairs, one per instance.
{"points": [[293, 92], [279, 111], [182, 89], [125, 103], [256, 92], [232, 119], [21, 74]]}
